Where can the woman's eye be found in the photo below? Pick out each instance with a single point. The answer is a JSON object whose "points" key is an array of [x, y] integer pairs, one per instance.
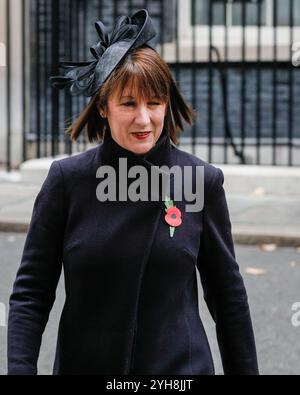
{"points": [[128, 104]]}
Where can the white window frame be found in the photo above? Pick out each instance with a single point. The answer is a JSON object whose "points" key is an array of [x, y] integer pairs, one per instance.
{"points": [[235, 33]]}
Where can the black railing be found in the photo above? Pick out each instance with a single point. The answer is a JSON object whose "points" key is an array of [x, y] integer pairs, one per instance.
{"points": [[246, 94]]}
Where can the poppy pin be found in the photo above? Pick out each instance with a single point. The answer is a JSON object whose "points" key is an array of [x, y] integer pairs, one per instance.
{"points": [[173, 215]]}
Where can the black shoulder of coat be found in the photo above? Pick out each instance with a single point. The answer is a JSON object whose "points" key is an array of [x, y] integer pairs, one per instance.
{"points": [[212, 174], [84, 164], [79, 164]]}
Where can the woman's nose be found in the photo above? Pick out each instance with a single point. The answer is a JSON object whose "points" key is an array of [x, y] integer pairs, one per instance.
{"points": [[142, 115]]}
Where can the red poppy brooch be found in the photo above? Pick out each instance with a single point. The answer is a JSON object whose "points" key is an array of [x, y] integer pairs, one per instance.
{"points": [[173, 215]]}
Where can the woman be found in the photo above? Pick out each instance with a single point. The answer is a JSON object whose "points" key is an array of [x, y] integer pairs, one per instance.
{"points": [[130, 266]]}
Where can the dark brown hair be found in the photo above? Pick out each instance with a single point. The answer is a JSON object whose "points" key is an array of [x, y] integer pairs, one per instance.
{"points": [[148, 75]]}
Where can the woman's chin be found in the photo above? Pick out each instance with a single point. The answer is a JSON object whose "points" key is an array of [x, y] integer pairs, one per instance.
{"points": [[141, 150], [141, 147]]}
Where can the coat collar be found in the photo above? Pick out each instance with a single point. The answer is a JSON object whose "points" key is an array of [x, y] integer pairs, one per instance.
{"points": [[162, 154], [158, 155]]}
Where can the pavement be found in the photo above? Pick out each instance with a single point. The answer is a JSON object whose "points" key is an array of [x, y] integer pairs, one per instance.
{"points": [[263, 202]]}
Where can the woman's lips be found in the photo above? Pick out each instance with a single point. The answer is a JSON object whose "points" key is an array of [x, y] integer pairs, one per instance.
{"points": [[141, 135]]}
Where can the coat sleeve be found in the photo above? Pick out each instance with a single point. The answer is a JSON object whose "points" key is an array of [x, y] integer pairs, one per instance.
{"points": [[35, 285], [223, 286]]}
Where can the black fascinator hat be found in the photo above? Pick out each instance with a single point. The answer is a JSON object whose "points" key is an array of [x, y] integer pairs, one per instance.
{"points": [[86, 78]]}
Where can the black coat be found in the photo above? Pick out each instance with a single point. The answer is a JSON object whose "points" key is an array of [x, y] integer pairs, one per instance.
{"points": [[131, 290]]}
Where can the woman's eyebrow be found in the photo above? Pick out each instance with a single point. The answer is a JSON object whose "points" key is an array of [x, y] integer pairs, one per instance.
{"points": [[131, 97]]}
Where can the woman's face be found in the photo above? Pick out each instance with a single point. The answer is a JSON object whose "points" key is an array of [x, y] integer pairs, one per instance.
{"points": [[129, 116]]}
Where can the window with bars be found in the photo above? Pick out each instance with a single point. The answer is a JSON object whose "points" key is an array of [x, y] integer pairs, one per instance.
{"points": [[230, 12]]}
